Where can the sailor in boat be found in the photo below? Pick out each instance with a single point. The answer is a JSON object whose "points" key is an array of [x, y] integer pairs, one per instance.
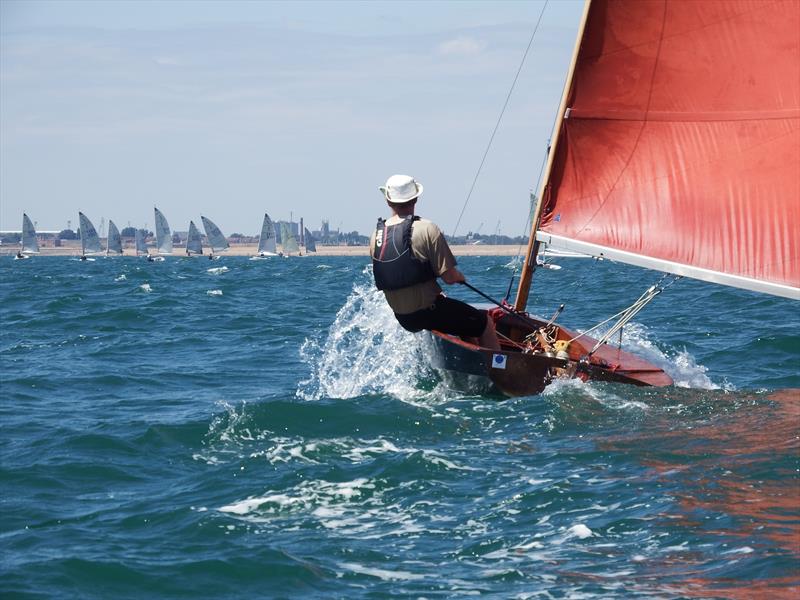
{"points": [[408, 254], [20, 255]]}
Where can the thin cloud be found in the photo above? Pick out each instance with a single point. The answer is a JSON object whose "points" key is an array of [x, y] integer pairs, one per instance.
{"points": [[462, 46], [168, 61]]}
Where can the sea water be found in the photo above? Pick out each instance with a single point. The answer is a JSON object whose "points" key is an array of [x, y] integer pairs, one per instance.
{"points": [[265, 429]]}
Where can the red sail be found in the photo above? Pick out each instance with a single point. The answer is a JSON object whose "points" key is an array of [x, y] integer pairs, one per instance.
{"points": [[681, 147]]}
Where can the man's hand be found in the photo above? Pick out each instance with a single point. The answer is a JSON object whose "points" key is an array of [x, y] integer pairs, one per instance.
{"points": [[453, 275]]}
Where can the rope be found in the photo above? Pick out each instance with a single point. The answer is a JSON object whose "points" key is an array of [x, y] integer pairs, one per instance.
{"points": [[500, 118]]}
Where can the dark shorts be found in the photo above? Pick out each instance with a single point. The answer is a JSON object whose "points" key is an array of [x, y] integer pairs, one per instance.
{"points": [[448, 316]]}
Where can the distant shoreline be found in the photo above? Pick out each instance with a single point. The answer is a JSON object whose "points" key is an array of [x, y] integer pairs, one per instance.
{"points": [[73, 249]]}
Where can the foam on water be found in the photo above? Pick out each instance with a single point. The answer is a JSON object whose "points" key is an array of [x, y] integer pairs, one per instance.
{"points": [[601, 395], [384, 574], [217, 270], [679, 365], [214, 292]]}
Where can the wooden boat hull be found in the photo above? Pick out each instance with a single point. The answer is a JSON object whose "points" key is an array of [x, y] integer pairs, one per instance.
{"points": [[517, 373]]}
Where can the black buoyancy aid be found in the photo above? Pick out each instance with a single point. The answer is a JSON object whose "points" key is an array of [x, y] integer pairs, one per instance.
{"points": [[393, 261]]}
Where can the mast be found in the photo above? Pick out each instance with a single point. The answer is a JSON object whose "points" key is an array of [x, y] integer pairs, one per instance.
{"points": [[533, 245]]}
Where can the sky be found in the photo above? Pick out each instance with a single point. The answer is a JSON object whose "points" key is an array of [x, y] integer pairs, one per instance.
{"points": [[297, 109]]}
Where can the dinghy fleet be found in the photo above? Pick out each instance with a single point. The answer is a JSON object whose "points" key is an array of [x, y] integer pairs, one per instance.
{"points": [[217, 242]]}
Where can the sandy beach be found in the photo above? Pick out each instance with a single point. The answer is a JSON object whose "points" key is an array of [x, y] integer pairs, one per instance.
{"points": [[73, 248]]}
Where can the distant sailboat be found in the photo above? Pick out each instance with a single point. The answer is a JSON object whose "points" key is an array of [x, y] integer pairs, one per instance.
{"points": [[311, 245], [114, 245], [90, 241], [194, 243], [266, 241], [215, 237], [289, 242], [141, 247], [163, 234], [28, 242]]}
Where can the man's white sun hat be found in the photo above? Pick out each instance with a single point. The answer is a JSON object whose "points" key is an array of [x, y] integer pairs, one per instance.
{"points": [[401, 188]]}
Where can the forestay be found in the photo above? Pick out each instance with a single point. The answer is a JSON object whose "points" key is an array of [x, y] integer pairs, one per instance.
{"points": [[679, 144]]}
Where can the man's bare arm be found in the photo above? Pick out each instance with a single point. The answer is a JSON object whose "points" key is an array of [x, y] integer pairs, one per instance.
{"points": [[453, 275]]}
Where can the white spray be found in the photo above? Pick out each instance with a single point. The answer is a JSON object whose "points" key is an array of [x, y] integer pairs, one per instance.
{"points": [[365, 352]]}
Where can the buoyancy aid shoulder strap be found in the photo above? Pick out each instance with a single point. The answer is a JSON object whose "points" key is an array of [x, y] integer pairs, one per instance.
{"points": [[408, 224], [380, 237]]}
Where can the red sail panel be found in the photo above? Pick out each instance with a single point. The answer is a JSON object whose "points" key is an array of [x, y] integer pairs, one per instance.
{"points": [[681, 145]]}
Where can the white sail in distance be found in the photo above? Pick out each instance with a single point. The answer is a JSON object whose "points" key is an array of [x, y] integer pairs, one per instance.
{"points": [[163, 234], [288, 240], [215, 237], [194, 244], [90, 241], [311, 245], [30, 244], [141, 247], [114, 245], [266, 241]]}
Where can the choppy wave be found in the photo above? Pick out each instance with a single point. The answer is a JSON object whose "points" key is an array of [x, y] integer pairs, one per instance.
{"points": [[289, 438]]}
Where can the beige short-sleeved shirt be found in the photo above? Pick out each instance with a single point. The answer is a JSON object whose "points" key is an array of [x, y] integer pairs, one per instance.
{"points": [[427, 243]]}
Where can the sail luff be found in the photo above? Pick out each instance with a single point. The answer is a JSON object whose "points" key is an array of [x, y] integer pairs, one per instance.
{"points": [[529, 265], [114, 242], [216, 239], [30, 245], [163, 233]]}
